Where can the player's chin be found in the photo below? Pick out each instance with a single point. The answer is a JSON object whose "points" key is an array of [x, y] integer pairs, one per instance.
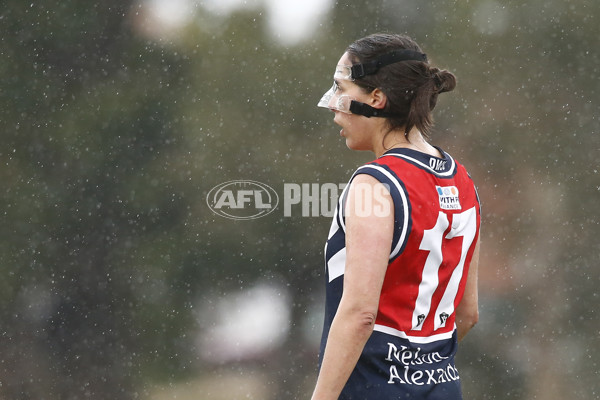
{"points": [[353, 145]]}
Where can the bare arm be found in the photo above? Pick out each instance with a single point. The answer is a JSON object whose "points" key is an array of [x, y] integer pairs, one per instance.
{"points": [[467, 312], [369, 235]]}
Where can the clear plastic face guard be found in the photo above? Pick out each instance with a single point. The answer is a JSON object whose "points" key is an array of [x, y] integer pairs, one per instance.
{"points": [[331, 99], [343, 72], [334, 101]]}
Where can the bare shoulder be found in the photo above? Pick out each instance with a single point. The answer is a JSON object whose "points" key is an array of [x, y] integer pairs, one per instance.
{"points": [[368, 198]]}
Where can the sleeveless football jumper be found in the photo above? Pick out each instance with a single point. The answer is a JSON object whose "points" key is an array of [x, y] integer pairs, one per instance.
{"points": [[410, 354]]}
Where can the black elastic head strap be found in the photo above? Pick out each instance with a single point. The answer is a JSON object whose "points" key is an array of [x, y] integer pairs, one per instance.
{"points": [[356, 107], [371, 67]]}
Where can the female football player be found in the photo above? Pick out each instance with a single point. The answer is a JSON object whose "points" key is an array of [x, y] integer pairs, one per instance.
{"points": [[402, 251]]}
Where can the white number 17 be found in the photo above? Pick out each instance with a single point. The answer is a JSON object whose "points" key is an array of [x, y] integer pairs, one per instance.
{"points": [[463, 224]]}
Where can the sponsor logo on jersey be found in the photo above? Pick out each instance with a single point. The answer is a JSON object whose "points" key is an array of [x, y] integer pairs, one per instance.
{"points": [[448, 196], [242, 199]]}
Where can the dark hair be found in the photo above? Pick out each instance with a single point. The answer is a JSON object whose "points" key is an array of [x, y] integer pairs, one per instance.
{"points": [[411, 87]]}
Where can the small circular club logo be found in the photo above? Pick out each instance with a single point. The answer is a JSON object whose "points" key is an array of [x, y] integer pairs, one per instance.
{"points": [[242, 199]]}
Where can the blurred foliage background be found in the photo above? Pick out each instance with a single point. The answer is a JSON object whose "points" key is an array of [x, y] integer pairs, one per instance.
{"points": [[118, 117]]}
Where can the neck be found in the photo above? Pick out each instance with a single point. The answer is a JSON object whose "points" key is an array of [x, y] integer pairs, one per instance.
{"points": [[397, 139]]}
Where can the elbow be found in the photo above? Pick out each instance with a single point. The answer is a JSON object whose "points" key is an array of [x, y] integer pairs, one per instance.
{"points": [[467, 313], [360, 319], [363, 318], [467, 319], [367, 319], [365, 323], [472, 319]]}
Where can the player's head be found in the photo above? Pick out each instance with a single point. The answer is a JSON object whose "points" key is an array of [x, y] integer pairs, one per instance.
{"points": [[396, 65]]}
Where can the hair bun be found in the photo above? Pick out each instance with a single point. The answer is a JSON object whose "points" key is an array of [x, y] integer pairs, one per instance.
{"points": [[444, 80]]}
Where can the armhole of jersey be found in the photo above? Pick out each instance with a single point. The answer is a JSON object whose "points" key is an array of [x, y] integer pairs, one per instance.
{"points": [[476, 192], [402, 209], [341, 207]]}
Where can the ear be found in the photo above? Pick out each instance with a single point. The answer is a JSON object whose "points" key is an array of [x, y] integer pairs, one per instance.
{"points": [[378, 99]]}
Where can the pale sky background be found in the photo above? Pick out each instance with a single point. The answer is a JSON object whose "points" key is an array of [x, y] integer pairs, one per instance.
{"points": [[290, 21]]}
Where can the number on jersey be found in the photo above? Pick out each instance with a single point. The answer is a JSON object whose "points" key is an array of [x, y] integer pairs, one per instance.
{"points": [[463, 225]]}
